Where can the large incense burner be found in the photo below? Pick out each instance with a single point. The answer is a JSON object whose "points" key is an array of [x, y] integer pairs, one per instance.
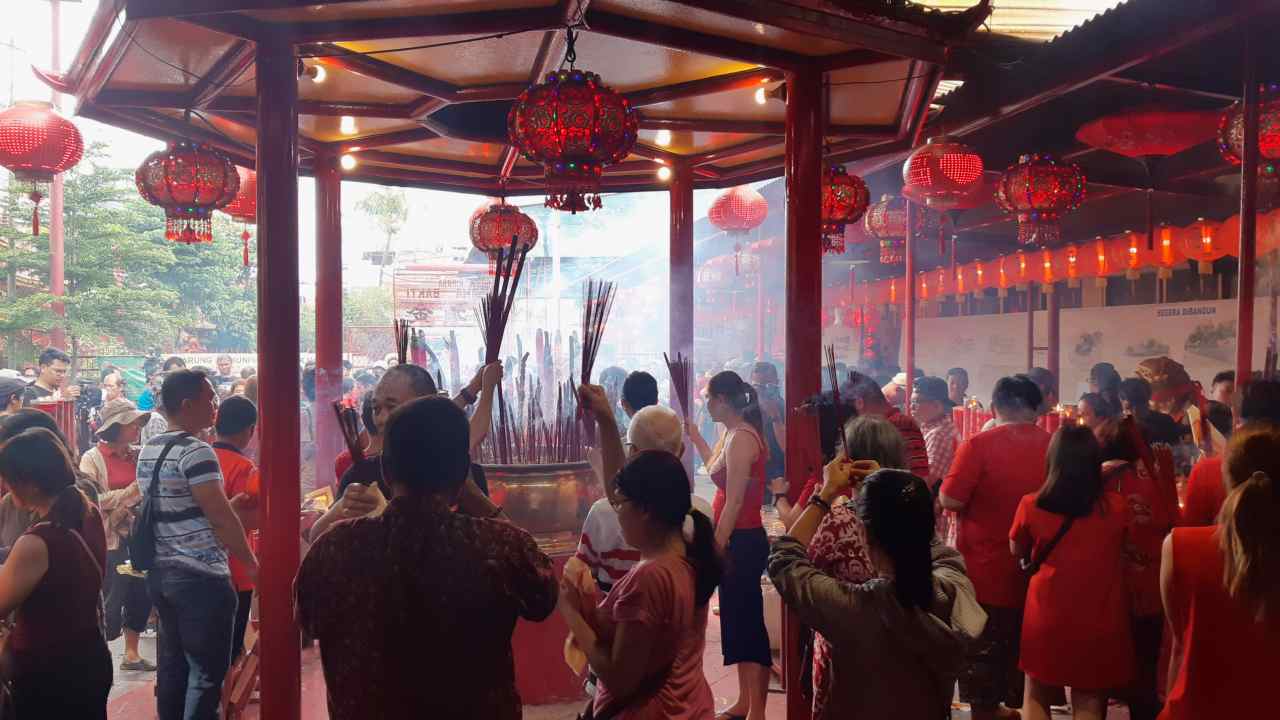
{"points": [[550, 501]]}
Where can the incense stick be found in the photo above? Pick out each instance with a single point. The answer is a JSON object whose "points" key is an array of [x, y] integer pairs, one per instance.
{"points": [[596, 305], [495, 307], [830, 352], [679, 369], [347, 425]]}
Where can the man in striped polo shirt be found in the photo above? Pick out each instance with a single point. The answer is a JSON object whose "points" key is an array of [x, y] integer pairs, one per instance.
{"points": [[195, 529]]}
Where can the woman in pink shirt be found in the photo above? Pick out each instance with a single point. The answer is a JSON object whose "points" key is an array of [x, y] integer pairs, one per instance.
{"points": [[645, 639]]}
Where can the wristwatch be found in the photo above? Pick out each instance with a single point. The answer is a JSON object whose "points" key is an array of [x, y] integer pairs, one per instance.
{"points": [[815, 500]]}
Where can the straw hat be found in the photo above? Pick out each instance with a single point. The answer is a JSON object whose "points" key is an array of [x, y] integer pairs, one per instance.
{"points": [[121, 412]]}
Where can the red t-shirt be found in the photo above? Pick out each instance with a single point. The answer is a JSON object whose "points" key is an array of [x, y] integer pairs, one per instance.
{"points": [[991, 473], [1205, 493], [1229, 658], [239, 475], [121, 471], [917, 451], [1075, 628]]}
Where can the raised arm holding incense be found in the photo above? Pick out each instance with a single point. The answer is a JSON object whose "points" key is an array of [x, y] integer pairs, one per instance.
{"points": [[482, 419], [612, 456]]}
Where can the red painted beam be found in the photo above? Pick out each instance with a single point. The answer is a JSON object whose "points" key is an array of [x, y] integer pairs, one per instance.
{"points": [[481, 22], [731, 151], [278, 362], [152, 9], [241, 26], [371, 67], [225, 72], [241, 103], [852, 58], [104, 18], [789, 16], [679, 38], [98, 73], [705, 86], [426, 163], [917, 97], [483, 93], [424, 106], [399, 137], [758, 127], [248, 120], [129, 120]]}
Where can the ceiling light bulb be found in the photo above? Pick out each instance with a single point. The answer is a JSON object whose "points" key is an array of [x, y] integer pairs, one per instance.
{"points": [[761, 98], [664, 173], [663, 138], [319, 75], [348, 162], [347, 126]]}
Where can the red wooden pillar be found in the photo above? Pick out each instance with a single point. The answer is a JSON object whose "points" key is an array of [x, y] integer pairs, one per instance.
{"points": [[680, 302], [57, 252], [804, 309], [328, 314], [909, 311], [1248, 216], [277, 162], [1054, 328]]}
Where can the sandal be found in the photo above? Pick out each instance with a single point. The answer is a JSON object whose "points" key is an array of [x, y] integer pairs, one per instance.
{"points": [[141, 665]]}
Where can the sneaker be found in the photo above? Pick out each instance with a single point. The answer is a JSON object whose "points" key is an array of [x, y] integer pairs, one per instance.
{"points": [[141, 665]]}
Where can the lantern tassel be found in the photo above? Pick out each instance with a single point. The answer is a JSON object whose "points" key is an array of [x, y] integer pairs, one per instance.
{"points": [[244, 236], [36, 196]]}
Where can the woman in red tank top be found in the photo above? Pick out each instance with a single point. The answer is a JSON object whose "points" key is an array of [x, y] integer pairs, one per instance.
{"points": [[56, 658], [1221, 589], [736, 465]]}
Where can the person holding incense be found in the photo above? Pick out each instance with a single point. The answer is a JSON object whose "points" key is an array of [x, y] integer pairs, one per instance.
{"points": [[736, 464]]}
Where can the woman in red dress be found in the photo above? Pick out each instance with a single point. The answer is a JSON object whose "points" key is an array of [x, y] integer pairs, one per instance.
{"points": [[1144, 477], [1075, 628], [1221, 589]]}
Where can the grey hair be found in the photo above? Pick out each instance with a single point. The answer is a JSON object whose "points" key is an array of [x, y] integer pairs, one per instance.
{"points": [[868, 437]]}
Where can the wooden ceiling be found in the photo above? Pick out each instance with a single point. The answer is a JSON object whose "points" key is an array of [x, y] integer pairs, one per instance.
{"points": [[418, 90]]}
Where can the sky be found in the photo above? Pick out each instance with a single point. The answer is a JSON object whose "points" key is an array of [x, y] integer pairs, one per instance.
{"points": [[435, 218]]}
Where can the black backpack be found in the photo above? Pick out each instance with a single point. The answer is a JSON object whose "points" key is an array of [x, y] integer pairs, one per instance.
{"points": [[142, 541]]}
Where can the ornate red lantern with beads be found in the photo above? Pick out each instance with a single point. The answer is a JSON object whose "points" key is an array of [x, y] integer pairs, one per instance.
{"points": [[1038, 189], [37, 143], [944, 174], [844, 199], [189, 181], [886, 221], [573, 125], [1231, 133], [738, 210], [493, 225], [244, 207]]}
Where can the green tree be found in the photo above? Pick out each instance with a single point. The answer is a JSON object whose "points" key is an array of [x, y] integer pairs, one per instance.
{"points": [[367, 306], [389, 209], [216, 287]]}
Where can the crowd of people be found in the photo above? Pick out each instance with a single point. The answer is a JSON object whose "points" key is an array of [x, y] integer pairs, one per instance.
{"points": [[1014, 563]]}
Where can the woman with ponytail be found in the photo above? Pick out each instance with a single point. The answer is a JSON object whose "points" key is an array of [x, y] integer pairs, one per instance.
{"points": [[1221, 589], [53, 580], [1070, 538], [737, 467], [897, 634], [645, 640]]}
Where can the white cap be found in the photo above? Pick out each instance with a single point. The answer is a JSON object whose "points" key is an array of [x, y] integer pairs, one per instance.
{"points": [[656, 428]]}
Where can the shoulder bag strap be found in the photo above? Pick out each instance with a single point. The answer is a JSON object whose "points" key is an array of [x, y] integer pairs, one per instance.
{"points": [[1033, 565], [88, 551], [152, 490]]}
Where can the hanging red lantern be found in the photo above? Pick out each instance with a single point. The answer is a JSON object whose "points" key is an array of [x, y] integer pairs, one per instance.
{"points": [[494, 224], [1231, 132], [189, 181], [943, 174], [573, 125], [886, 221], [1149, 132], [1038, 189], [738, 210], [1202, 246], [844, 199], [244, 207], [37, 143]]}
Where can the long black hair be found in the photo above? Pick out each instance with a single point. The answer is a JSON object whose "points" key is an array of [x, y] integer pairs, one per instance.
{"points": [[741, 396], [657, 483], [1073, 473], [897, 509], [35, 459]]}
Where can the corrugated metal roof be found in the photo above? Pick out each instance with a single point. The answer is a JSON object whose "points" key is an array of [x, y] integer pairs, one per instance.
{"points": [[1033, 19]]}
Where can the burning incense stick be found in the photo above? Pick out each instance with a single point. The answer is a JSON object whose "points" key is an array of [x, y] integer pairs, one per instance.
{"points": [[680, 374], [597, 302], [830, 352], [495, 307], [402, 331]]}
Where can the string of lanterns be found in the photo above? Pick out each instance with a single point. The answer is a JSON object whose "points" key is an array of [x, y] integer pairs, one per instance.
{"points": [[244, 206]]}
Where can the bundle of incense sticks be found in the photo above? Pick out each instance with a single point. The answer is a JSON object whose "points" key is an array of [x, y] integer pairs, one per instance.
{"points": [[495, 307], [349, 425], [830, 352], [597, 302], [680, 375], [402, 331], [530, 438]]}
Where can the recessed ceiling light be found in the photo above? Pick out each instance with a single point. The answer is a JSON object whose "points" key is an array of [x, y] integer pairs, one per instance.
{"points": [[664, 173], [761, 97], [347, 126], [663, 138], [348, 162]]}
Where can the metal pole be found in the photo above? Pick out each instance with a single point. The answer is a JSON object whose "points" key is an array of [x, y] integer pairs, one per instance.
{"points": [[328, 314], [1055, 332], [680, 300], [1248, 215], [57, 248], [804, 123], [277, 161]]}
